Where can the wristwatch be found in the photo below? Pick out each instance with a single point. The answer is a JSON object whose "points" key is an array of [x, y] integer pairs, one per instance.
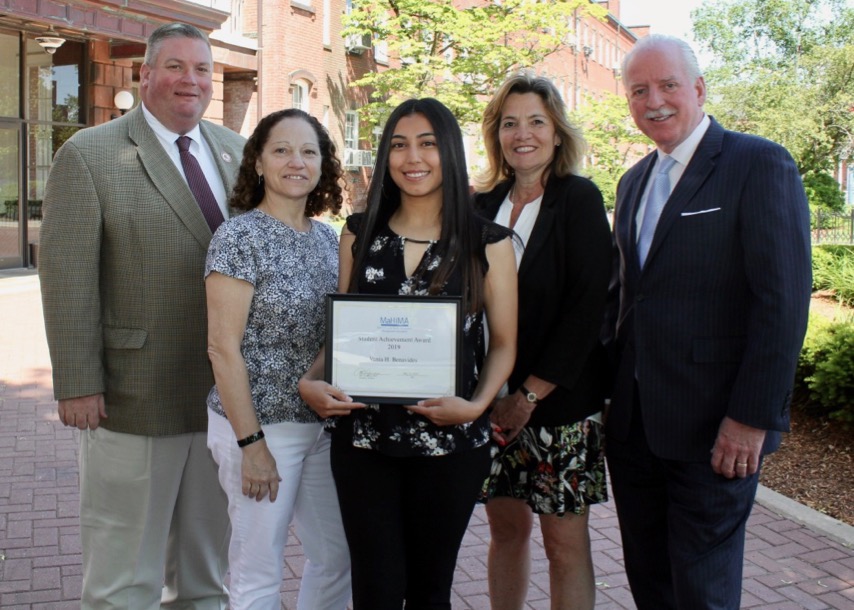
{"points": [[530, 396]]}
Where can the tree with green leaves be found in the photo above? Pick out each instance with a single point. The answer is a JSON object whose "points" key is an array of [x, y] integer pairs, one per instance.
{"points": [[458, 52], [614, 143], [783, 69]]}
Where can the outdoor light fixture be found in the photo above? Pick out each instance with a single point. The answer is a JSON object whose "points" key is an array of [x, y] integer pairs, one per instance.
{"points": [[51, 42], [123, 101]]}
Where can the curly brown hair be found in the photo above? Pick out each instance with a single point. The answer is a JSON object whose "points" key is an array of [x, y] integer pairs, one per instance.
{"points": [[249, 191]]}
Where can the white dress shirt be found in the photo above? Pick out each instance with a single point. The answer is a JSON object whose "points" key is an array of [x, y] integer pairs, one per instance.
{"points": [[198, 148], [682, 154]]}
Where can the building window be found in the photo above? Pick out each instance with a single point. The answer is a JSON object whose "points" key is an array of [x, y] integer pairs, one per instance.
{"points": [[380, 51], [351, 130], [327, 22], [10, 75], [353, 157], [234, 23], [32, 129], [299, 95], [376, 136]]}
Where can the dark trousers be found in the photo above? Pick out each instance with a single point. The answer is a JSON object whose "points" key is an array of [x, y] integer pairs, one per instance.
{"points": [[405, 518], [682, 527]]}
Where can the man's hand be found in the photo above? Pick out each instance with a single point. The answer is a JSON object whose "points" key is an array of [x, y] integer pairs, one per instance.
{"points": [[84, 412], [737, 449]]}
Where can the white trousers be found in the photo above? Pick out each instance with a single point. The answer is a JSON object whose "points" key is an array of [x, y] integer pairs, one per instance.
{"points": [[153, 523], [260, 529]]}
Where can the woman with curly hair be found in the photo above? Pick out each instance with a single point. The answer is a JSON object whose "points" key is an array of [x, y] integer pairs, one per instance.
{"points": [[267, 275]]}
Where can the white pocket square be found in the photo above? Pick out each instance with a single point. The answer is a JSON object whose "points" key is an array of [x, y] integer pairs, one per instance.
{"points": [[700, 212]]}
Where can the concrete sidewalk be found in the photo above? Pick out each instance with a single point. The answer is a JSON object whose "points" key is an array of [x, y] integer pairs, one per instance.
{"points": [[796, 558]]}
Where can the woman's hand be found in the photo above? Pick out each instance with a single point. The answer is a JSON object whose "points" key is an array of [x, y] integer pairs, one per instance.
{"points": [[448, 410], [260, 475], [326, 400], [509, 415]]}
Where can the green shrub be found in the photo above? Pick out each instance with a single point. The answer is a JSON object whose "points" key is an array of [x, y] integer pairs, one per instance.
{"points": [[816, 328], [824, 191], [833, 269], [822, 261], [826, 368]]}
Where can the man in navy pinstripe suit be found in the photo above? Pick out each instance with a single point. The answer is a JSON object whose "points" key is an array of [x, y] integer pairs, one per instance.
{"points": [[706, 332]]}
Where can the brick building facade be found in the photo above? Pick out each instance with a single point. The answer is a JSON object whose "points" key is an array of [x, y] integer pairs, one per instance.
{"points": [[268, 55]]}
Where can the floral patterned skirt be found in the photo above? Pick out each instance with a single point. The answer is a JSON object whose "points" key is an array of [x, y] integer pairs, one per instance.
{"points": [[555, 470]]}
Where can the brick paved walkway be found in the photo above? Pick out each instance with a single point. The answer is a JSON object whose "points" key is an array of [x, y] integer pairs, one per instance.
{"points": [[787, 565]]}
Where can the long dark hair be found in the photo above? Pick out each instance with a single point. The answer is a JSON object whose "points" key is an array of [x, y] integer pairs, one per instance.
{"points": [[460, 239], [249, 191]]}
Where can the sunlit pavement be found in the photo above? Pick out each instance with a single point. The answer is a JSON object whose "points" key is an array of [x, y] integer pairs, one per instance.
{"points": [[788, 565]]}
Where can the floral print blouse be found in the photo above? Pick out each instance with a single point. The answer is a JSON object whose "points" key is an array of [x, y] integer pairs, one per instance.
{"points": [[292, 272], [391, 429]]}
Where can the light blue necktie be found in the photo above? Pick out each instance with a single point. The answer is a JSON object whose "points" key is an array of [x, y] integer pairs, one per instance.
{"points": [[658, 195]]}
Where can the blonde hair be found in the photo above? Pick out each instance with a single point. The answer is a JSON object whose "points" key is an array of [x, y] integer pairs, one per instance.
{"points": [[571, 147]]}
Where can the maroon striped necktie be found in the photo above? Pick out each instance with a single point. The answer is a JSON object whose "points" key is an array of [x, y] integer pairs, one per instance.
{"points": [[199, 185]]}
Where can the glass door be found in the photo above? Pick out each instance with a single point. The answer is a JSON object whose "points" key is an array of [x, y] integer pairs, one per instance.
{"points": [[10, 196], [11, 236], [53, 112]]}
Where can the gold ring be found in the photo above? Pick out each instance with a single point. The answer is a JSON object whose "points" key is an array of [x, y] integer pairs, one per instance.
{"points": [[740, 464]]}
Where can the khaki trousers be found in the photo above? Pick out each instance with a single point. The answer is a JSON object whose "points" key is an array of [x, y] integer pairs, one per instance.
{"points": [[153, 523]]}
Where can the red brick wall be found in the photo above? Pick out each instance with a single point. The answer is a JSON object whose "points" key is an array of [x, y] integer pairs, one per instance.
{"points": [[240, 104], [292, 46], [581, 75], [108, 77]]}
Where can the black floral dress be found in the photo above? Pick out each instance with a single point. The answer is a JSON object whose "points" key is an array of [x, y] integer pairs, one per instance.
{"points": [[391, 429]]}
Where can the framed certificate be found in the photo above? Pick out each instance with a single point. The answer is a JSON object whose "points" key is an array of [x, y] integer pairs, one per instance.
{"points": [[394, 349]]}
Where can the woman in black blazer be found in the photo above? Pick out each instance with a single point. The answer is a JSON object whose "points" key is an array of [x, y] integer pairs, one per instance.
{"points": [[549, 460]]}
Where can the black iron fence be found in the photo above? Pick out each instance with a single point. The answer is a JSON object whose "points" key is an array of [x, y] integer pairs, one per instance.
{"points": [[9, 209], [830, 227]]}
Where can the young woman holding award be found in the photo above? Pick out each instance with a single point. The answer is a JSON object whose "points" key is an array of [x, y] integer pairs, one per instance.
{"points": [[408, 475]]}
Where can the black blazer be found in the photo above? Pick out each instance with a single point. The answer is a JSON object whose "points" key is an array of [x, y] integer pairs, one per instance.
{"points": [[713, 324], [563, 285]]}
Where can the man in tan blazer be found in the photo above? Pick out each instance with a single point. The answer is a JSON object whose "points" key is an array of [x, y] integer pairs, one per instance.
{"points": [[123, 248]]}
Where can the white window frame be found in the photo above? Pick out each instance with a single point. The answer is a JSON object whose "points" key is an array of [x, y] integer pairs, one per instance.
{"points": [[299, 94], [351, 130], [327, 22]]}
